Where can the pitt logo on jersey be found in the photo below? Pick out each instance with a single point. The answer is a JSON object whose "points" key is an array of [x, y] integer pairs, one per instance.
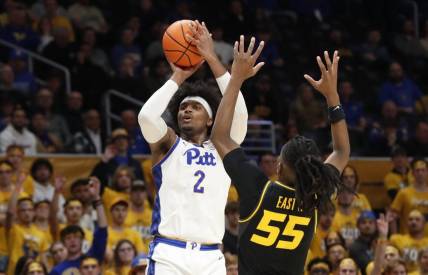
{"points": [[193, 154]]}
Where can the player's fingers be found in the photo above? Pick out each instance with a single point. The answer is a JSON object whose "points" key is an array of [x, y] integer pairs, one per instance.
{"points": [[241, 44], [335, 60], [189, 38], [204, 27], [259, 50], [311, 81], [321, 65], [327, 60], [251, 46], [258, 67]]}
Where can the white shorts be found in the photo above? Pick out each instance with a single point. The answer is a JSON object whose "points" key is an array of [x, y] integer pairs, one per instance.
{"points": [[171, 257]]}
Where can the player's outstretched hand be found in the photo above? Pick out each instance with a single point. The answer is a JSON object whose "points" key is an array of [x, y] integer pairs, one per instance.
{"points": [[201, 38], [179, 75], [327, 85], [243, 61]]}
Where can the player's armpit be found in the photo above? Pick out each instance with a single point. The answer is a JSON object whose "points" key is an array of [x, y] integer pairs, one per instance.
{"points": [[160, 148]]}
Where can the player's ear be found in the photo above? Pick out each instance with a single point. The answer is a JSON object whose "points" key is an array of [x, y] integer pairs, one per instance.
{"points": [[279, 167], [210, 122]]}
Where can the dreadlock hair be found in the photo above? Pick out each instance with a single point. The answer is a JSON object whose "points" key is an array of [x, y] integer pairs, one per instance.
{"points": [[315, 181], [198, 88]]}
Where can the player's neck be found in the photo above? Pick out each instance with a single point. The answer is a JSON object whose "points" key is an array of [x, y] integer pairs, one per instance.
{"points": [[194, 138]]}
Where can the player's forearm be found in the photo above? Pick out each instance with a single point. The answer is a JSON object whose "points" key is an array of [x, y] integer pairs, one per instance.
{"points": [[220, 135], [240, 115], [152, 124]]}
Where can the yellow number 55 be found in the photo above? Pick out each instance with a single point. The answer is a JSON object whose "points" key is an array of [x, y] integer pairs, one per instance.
{"points": [[273, 231]]}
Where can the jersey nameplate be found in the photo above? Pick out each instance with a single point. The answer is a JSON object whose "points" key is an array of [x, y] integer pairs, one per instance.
{"points": [[193, 155]]}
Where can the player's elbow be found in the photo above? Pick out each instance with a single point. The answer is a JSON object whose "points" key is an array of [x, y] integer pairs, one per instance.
{"points": [[144, 117]]}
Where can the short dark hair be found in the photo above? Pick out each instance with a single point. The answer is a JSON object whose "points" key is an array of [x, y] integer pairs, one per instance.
{"points": [[78, 183], [317, 260], [40, 162], [198, 88], [71, 229]]}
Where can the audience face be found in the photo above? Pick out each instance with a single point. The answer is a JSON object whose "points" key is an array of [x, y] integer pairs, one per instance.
{"points": [[25, 212], [122, 145], [389, 110], [92, 120], [396, 72], [420, 172], [127, 37], [6, 75], [162, 69], [90, 269], [268, 164], [73, 243], [348, 267], [44, 99], [346, 90], [232, 269], [39, 123], [126, 253], [59, 252], [332, 237], [138, 196], [233, 219], [391, 254], [19, 119], [422, 132], [367, 227], [326, 220], [89, 37], [374, 37], [15, 156], [82, 194], [123, 180], [42, 174], [42, 211], [129, 120], [423, 260], [335, 254], [398, 270], [119, 213], [18, 15], [73, 212], [319, 269], [5, 176], [416, 222], [400, 162], [74, 101]]}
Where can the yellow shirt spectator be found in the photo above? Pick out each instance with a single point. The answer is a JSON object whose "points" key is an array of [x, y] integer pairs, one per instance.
{"points": [[25, 240], [110, 196], [395, 180], [3, 244], [132, 235], [406, 200], [122, 271], [63, 22], [318, 245], [409, 248], [141, 223], [360, 203], [87, 242], [346, 225]]}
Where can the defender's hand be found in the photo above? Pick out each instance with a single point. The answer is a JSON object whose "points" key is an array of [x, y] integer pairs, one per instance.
{"points": [[327, 85], [201, 38], [243, 61]]}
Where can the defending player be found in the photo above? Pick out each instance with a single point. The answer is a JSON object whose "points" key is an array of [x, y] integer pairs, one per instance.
{"points": [[191, 183], [278, 219]]}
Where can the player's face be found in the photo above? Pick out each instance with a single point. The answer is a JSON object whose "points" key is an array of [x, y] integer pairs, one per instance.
{"points": [[126, 253], [73, 243], [119, 213], [26, 212], [193, 118]]}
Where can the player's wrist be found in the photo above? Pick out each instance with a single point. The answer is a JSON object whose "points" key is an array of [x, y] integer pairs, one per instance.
{"points": [[177, 78]]}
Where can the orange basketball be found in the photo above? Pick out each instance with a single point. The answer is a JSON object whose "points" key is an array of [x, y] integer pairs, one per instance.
{"points": [[176, 47]]}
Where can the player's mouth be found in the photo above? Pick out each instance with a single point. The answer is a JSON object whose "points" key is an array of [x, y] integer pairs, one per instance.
{"points": [[186, 119]]}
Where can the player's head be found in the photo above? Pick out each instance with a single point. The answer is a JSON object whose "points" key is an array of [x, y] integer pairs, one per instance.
{"points": [[90, 266], [193, 109], [72, 237], [301, 165]]}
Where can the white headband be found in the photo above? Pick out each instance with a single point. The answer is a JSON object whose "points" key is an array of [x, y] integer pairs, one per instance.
{"points": [[201, 101]]}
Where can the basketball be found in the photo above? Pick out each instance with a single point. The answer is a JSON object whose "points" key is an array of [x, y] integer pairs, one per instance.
{"points": [[178, 50]]}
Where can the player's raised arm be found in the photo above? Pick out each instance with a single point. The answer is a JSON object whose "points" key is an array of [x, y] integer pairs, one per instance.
{"points": [[154, 129], [327, 86], [201, 37], [242, 68]]}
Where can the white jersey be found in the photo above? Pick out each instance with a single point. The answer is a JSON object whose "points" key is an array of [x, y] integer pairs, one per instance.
{"points": [[192, 190]]}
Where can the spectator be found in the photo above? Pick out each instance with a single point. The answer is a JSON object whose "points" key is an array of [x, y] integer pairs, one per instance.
{"points": [[412, 197], [223, 49], [270, 54], [44, 28], [138, 145], [306, 111], [84, 14], [318, 266], [116, 154], [410, 244], [97, 55], [139, 265], [231, 264], [230, 239], [418, 145], [6, 188], [47, 142], [350, 179], [361, 250], [126, 80], [354, 109], [90, 266], [126, 47], [34, 268], [73, 111], [268, 164], [400, 89], [91, 139], [237, 21], [159, 71], [80, 190], [401, 175], [38, 9], [58, 253], [7, 80], [140, 213], [397, 267], [318, 245], [24, 238], [154, 48], [44, 102], [422, 262], [407, 43], [336, 252], [18, 30], [389, 130], [24, 81], [41, 172], [60, 49], [72, 236], [118, 231], [124, 253], [15, 155], [348, 266], [17, 133], [390, 254], [372, 51], [57, 20]]}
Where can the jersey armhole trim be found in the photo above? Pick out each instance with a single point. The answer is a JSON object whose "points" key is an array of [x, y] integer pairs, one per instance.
{"points": [[177, 140], [258, 205], [285, 186], [316, 221]]}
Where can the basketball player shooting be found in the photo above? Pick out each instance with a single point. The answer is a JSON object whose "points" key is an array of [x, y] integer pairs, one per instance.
{"points": [[278, 219], [192, 185]]}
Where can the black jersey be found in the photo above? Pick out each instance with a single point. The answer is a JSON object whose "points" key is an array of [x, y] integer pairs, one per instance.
{"points": [[275, 234]]}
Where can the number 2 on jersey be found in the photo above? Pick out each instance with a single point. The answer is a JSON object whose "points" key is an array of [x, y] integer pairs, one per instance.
{"points": [[274, 231], [197, 188]]}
